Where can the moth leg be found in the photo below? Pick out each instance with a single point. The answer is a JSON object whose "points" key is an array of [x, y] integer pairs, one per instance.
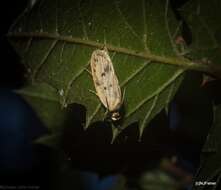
{"points": [[107, 110], [105, 115], [107, 104], [93, 92], [86, 68], [88, 71]]}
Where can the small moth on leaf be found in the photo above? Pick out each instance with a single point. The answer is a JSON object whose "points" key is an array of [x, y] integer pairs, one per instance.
{"points": [[106, 82]]}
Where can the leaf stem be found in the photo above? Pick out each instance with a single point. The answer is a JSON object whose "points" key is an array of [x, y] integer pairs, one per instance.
{"points": [[186, 64]]}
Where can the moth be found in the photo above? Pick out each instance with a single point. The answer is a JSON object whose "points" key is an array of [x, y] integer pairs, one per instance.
{"points": [[106, 82]]}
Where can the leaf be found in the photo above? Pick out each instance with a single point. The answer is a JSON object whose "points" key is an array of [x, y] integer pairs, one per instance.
{"points": [[203, 19], [157, 180], [55, 40], [210, 167]]}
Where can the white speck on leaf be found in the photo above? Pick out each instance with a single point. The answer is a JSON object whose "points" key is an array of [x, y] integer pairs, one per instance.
{"points": [[61, 92]]}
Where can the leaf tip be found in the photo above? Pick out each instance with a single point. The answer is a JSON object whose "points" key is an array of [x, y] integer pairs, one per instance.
{"points": [[85, 127], [141, 129], [115, 133]]}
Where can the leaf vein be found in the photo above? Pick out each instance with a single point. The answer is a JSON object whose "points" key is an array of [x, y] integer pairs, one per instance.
{"points": [[145, 26], [28, 44], [82, 21], [168, 28], [93, 115], [56, 17], [148, 114], [67, 89], [211, 68], [61, 53], [39, 66], [170, 93], [126, 22], [156, 92], [208, 30], [40, 15], [37, 95], [127, 80]]}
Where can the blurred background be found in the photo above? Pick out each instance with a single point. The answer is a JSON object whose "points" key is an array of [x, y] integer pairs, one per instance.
{"points": [[167, 156]]}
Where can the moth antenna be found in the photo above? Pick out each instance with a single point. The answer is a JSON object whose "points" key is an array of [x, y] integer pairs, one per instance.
{"points": [[105, 42], [105, 47], [106, 112]]}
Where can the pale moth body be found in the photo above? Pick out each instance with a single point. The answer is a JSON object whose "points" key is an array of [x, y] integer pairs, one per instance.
{"points": [[106, 82]]}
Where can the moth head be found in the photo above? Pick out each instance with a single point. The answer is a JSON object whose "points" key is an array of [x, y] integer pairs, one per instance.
{"points": [[115, 116]]}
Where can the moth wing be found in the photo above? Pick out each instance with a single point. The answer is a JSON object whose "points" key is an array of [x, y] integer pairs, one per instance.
{"points": [[114, 100], [113, 91], [98, 62], [105, 80]]}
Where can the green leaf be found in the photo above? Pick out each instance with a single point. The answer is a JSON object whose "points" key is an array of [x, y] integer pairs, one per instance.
{"points": [[210, 166], [203, 19], [55, 40], [157, 180]]}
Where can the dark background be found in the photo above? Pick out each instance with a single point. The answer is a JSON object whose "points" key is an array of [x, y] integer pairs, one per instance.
{"points": [[24, 163], [21, 163]]}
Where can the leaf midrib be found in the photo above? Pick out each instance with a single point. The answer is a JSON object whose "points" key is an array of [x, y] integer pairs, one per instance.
{"points": [[179, 61], [210, 68]]}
